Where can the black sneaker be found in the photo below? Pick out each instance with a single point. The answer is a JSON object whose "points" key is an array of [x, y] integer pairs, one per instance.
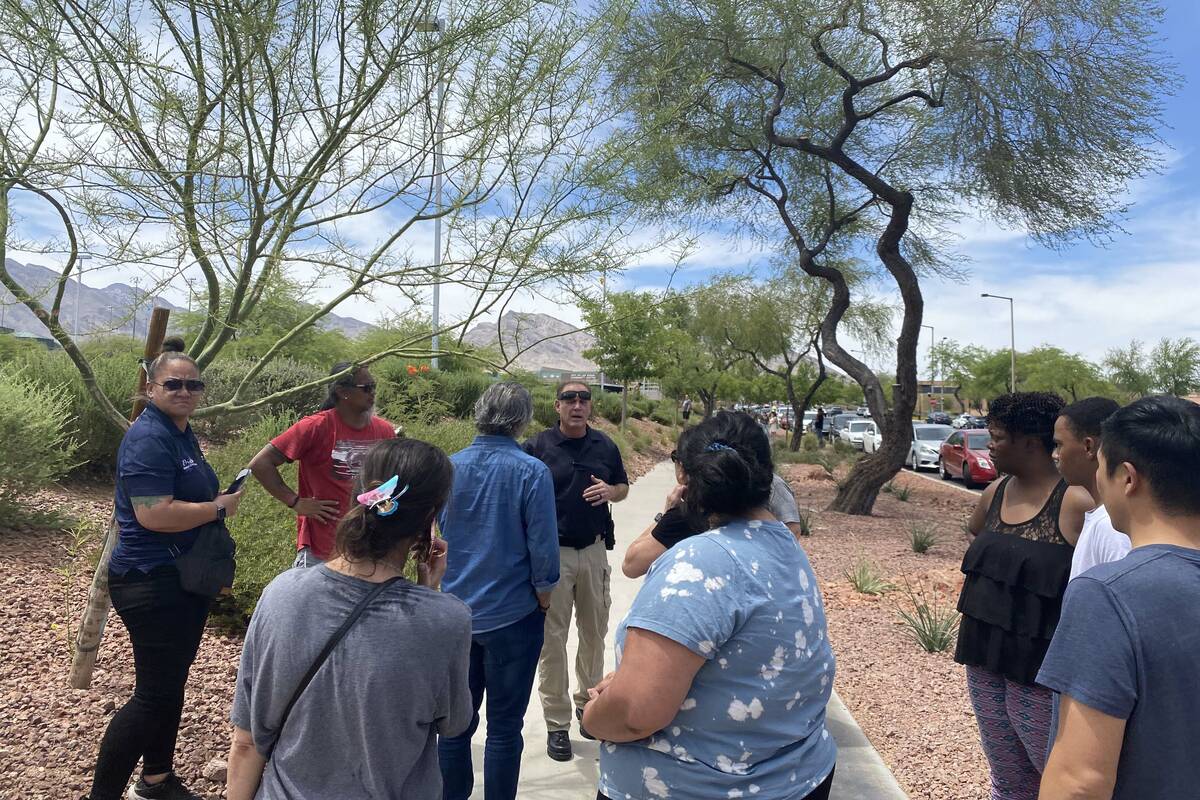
{"points": [[582, 730], [558, 745], [170, 789]]}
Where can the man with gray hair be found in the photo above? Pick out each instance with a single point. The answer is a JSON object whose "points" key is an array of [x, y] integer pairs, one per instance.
{"points": [[502, 530]]}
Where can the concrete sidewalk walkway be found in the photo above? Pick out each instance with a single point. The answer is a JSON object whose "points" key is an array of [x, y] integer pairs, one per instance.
{"points": [[861, 774]]}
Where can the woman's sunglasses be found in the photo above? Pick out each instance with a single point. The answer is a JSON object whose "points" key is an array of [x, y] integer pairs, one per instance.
{"points": [[567, 397], [675, 456], [175, 385]]}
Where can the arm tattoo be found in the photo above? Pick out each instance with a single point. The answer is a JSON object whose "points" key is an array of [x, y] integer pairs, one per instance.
{"points": [[149, 502]]}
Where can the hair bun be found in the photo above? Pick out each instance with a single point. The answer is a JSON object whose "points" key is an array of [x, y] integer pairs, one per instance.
{"points": [[173, 344]]}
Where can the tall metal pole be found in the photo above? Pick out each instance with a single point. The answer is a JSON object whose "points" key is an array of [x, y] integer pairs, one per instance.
{"points": [[78, 286], [1012, 339], [931, 381]]}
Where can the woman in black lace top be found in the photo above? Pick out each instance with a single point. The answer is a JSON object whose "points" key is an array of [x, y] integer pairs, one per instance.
{"points": [[1023, 534]]}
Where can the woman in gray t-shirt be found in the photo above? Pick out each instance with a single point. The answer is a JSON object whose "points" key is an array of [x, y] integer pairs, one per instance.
{"points": [[367, 724]]}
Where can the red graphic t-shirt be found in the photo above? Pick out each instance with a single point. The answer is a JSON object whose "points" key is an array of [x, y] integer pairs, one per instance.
{"points": [[330, 453]]}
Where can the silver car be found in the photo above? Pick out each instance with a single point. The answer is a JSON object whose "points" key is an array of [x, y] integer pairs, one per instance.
{"points": [[925, 450]]}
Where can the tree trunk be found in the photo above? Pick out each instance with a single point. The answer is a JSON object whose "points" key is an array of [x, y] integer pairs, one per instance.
{"points": [[798, 411], [95, 614]]}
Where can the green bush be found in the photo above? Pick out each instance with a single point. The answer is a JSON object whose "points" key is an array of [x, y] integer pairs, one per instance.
{"points": [[543, 411], [809, 443], [640, 407], [264, 529], [460, 390], [866, 578], [116, 372], [223, 376], [451, 435], [921, 537], [930, 623], [36, 446], [608, 406], [662, 415]]}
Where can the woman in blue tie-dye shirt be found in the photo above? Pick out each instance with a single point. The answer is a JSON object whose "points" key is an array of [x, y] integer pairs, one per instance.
{"points": [[723, 663]]}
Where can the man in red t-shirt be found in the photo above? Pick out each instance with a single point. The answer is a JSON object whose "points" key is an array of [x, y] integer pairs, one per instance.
{"points": [[330, 446]]}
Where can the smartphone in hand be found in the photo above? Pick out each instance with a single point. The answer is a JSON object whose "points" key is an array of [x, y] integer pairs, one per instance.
{"points": [[238, 481]]}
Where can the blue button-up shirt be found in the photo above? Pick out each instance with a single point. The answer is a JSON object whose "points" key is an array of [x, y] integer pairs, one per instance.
{"points": [[501, 530]]}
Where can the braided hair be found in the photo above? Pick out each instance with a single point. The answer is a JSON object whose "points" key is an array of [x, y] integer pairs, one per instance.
{"points": [[424, 475], [1027, 414]]}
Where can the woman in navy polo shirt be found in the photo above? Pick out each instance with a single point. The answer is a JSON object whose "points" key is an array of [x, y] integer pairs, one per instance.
{"points": [[165, 492]]}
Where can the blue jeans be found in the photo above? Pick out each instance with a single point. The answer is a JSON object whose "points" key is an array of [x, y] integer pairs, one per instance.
{"points": [[503, 663]]}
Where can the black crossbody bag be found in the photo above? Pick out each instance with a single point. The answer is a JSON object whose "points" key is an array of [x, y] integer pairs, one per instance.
{"points": [[337, 636]]}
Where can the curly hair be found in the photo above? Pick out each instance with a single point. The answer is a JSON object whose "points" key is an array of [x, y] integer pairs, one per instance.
{"points": [[1027, 414]]}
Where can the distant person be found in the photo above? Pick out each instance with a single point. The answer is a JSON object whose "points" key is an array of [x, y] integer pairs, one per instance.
{"points": [[588, 475], [1125, 653], [330, 446], [724, 667], [365, 726], [502, 532], [166, 492], [677, 522], [686, 408], [1023, 530], [1077, 452], [818, 426]]}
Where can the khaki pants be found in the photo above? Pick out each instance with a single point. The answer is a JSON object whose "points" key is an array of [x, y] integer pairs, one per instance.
{"points": [[582, 583]]}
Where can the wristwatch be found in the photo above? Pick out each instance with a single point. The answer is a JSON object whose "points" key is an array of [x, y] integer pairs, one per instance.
{"points": [[220, 512]]}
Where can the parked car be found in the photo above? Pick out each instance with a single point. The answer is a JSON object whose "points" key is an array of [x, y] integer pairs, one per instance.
{"points": [[872, 440], [809, 416], [925, 448], [833, 411], [863, 411], [853, 433], [965, 455], [836, 423], [938, 418], [969, 422]]}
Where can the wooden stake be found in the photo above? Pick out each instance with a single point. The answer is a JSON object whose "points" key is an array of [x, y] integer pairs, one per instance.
{"points": [[95, 614]]}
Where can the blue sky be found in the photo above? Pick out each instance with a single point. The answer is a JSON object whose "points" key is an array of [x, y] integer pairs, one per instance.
{"points": [[1085, 299]]}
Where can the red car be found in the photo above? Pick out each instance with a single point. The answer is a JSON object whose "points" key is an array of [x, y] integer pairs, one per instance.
{"points": [[965, 455]]}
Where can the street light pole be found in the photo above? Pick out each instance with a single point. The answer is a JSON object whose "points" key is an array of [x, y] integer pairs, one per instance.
{"points": [[78, 286], [434, 25], [1012, 338], [931, 340]]}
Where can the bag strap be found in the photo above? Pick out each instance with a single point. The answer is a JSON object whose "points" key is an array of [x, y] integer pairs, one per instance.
{"points": [[337, 636]]}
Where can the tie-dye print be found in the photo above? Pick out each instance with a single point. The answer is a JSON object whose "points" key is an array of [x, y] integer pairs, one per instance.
{"points": [[753, 725]]}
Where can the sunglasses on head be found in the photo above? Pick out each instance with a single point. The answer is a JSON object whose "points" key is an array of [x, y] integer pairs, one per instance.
{"points": [[569, 396], [176, 384]]}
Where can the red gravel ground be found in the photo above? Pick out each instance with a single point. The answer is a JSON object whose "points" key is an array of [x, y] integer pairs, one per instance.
{"points": [[912, 705]]}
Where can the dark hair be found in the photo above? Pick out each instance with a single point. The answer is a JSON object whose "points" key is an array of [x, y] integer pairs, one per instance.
{"points": [[172, 350], [331, 399], [1087, 415], [1027, 414], [570, 382], [727, 458], [363, 534], [1160, 437]]}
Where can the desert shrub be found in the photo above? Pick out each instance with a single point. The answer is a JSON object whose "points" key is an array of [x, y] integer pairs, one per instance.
{"points": [[806, 523], [223, 376], [607, 405], [116, 372], [901, 493], [930, 622], [416, 399], [451, 435], [36, 444], [544, 414], [808, 442], [640, 407], [662, 415], [460, 390], [264, 529], [921, 536], [641, 441], [866, 578]]}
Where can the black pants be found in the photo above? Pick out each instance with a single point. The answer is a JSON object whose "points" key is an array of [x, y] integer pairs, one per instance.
{"points": [[819, 793], [165, 624]]}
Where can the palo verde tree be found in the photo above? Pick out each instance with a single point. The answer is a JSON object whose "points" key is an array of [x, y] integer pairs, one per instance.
{"points": [[316, 140], [866, 123]]}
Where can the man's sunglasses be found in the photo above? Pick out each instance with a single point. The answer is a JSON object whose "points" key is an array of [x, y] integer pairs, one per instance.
{"points": [[369, 388], [175, 385], [570, 396]]}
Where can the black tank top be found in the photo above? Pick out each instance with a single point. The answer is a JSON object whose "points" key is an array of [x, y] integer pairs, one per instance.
{"points": [[1012, 594]]}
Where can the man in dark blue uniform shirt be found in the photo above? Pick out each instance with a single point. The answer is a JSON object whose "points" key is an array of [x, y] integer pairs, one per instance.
{"points": [[588, 475]]}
